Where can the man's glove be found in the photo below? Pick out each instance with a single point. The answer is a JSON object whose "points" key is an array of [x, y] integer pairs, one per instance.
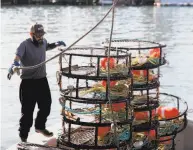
{"points": [[13, 69], [59, 43]]}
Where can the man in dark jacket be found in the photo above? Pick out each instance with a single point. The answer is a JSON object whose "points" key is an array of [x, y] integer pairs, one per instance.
{"points": [[34, 87]]}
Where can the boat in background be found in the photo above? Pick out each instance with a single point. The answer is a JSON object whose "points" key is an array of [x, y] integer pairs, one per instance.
{"points": [[173, 3]]}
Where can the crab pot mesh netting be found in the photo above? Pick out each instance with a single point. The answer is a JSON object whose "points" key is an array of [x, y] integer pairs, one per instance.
{"points": [[145, 143], [89, 91], [142, 101], [101, 137], [97, 113], [145, 79]]}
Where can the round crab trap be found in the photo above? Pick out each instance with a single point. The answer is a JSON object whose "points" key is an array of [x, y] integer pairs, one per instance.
{"points": [[89, 91], [98, 120], [88, 68], [172, 114], [90, 121], [92, 63], [146, 58], [95, 114], [99, 137], [145, 54]]}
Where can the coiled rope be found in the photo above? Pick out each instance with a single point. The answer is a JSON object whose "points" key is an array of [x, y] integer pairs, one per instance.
{"points": [[38, 65]]}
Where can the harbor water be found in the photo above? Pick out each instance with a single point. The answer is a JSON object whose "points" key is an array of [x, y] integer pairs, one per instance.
{"points": [[169, 25]]}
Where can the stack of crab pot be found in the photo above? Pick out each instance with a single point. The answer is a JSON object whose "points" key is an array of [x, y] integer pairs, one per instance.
{"points": [[96, 90], [158, 117], [113, 101]]}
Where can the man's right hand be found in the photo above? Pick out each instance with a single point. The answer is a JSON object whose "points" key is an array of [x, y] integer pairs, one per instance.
{"points": [[13, 69]]}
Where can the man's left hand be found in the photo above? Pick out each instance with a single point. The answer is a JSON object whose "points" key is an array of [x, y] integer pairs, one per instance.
{"points": [[59, 43]]}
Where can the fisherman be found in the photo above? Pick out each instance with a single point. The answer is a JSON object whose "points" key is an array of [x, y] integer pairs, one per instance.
{"points": [[34, 87]]}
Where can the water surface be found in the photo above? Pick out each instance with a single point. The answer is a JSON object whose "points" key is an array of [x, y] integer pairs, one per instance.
{"points": [[169, 25]]}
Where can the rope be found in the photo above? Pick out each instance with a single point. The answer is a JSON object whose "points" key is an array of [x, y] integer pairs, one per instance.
{"points": [[38, 65], [26, 146], [108, 76], [82, 111]]}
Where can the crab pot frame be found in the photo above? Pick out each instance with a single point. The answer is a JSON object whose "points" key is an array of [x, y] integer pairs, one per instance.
{"points": [[172, 125], [90, 74]]}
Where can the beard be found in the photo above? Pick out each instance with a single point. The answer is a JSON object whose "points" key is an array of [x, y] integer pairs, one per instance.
{"points": [[37, 42]]}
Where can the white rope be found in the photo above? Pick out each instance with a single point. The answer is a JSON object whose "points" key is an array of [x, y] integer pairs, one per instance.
{"points": [[38, 65]]}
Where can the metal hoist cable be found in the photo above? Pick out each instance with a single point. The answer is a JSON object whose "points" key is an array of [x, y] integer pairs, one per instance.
{"points": [[63, 50], [114, 124]]}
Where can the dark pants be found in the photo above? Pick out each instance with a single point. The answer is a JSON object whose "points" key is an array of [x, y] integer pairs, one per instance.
{"points": [[34, 91]]}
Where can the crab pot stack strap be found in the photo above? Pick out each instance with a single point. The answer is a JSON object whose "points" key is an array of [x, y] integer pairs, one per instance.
{"points": [[90, 121], [154, 119]]}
